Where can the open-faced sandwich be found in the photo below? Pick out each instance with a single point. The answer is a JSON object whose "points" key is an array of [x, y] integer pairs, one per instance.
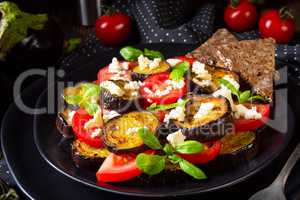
{"points": [[147, 114]]}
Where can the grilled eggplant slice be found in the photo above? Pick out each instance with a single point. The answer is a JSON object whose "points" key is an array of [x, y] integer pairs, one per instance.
{"points": [[121, 104], [120, 134], [140, 74], [216, 74], [87, 157], [211, 126], [63, 123], [237, 148]]}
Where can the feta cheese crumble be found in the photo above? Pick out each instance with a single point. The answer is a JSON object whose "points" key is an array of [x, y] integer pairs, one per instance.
{"points": [[95, 122], [173, 61], [145, 62], [133, 85], [116, 67], [70, 116], [109, 114], [201, 73], [175, 84], [242, 111], [176, 138], [96, 133], [204, 110], [112, 88], [176, 113]]}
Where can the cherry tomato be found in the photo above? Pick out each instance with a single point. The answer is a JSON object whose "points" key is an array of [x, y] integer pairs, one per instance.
{"points": [[211, 151], [277, 25], [113, 29], [253, 124], [117, 168], [104, 75], [79, 119], [158, 82], [240, 17]]}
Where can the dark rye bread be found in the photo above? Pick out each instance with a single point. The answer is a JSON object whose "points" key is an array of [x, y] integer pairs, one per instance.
{"points": [[253, 60]]}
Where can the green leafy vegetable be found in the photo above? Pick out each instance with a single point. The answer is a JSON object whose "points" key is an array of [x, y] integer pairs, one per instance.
{"points": [[242, 97], [174, 158], [168, 149], [89, 93], [154, 106], [150, 164], [149, 139], [191, 170], [179, 70], [130, 53], [72, 44], [153, 54], [189, 147], [15, 25]]}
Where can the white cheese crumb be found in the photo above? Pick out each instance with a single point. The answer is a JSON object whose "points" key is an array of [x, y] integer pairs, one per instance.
{"points": [[133, 85], [144, 62], [97, 132], [133, 130], [109, 114], [147, 90], [71, 115], [204, 110], [95, 122], [242, 111], [176, 138], [112, 88], [177, 114], [173, 61], [114, 66], [199, 68], [176, 84]]}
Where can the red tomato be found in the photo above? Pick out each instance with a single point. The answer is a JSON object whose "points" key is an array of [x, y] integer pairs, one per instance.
{"points": [[252, 124], [157, 82], [240, 17], [212, 150], [104, 75], [184, 58], [117, 168], [275, 24], [79, 119], [113, 29], [160, 114]]}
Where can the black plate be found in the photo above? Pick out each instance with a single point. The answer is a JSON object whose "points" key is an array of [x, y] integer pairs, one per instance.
{"points": [[56, 152]]}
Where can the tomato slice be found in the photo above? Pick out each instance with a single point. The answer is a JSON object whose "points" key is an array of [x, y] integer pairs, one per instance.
{"points": [[253, 124], [212, 150], [79, 119], [160, 114], [158, 82], [184, 58], [118, 168], [104, 74]]}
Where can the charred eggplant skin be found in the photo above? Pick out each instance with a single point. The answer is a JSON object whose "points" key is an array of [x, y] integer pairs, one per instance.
{"points": [[138, 77], [112, 102], [85, 160], [213, 130], [63, 127], [116, 136]]}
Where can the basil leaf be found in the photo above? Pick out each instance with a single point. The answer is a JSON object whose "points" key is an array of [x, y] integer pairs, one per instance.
{"points": [[189, 147], [154, 106], [149, 139], [153, 54], [179, 70], [130, 53], [244, 96], [73, 99], [90, 90], [174, 158], [150, 164], [91, 108], [256, 97], [168, 149], [191, 170], [231, 87]]}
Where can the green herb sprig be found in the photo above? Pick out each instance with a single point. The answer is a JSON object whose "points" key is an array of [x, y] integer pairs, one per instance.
{"points": [[88, 91], [130, 53], [179, 70], [242, 97], [155, 164], [155, 106]]}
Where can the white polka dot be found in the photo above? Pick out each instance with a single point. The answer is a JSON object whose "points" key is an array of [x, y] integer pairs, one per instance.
{"points": [[172, 40], [167, 34], [155, 35], [179, 34], [161, 40]]}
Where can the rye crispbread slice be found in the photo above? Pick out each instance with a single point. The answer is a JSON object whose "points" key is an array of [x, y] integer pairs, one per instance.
{"points": [[253, 60]]}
